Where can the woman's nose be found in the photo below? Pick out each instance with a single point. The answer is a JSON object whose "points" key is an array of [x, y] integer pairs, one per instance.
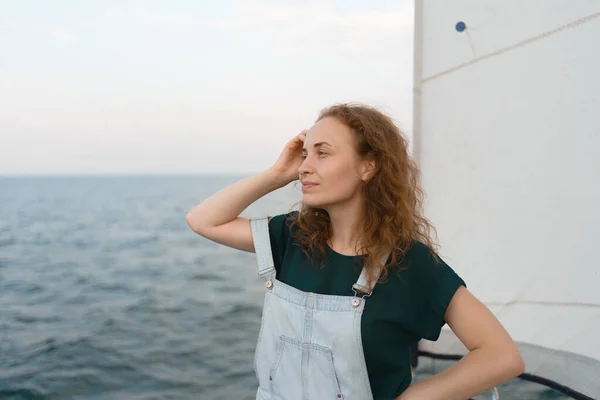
{"points": [[305, 167]]}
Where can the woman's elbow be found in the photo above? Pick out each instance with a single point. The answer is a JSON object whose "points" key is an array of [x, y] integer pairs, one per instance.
{"points": [[192, 222], [515, 363]]}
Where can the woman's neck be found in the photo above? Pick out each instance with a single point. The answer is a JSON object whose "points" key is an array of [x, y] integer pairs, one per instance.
{"points": [[346, 226]]}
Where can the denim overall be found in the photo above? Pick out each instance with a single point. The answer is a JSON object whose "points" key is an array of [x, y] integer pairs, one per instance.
{"points": [[309, 345]]}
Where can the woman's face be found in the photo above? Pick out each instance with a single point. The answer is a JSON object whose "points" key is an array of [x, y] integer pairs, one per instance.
{"points": [[332, 172]]}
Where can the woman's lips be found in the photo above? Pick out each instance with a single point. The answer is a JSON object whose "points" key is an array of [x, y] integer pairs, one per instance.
{"points": [[308, 186]]}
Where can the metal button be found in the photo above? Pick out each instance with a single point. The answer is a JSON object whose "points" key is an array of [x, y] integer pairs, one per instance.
{"points": [[270, 378], [269, 284], [339, 395], [355, 303]]}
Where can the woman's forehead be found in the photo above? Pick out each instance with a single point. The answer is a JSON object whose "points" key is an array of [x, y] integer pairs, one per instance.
{"points": [[328, 130]]}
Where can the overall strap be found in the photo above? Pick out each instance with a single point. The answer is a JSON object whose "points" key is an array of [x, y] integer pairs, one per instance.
{"points": [[362, 284], [262, 246]]}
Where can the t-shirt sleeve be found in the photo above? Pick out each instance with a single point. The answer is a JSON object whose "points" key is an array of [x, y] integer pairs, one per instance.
{"points": [[438, 283], [279, 234]]}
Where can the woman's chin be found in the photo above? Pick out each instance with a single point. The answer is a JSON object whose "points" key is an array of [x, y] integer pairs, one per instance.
{"points": [[309, 200], [312, 202]]}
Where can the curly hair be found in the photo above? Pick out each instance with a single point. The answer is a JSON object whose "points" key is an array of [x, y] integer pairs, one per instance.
{"points": [[392, 217]]}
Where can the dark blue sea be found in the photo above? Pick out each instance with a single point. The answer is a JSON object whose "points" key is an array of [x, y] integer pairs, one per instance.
{"points": [[105, 293]]}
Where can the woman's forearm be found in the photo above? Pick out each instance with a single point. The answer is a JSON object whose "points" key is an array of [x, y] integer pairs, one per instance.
{"points": [[228, 203], [476, 373]]}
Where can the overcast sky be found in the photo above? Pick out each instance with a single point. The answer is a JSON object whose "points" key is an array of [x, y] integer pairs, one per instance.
{"points": [[112, 87]]}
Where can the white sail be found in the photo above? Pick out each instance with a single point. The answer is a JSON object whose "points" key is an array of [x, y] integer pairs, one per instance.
{"points": [[507, 135]]}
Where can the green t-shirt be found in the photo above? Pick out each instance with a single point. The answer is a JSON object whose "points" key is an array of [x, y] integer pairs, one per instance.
{"points": [[408, 306]]}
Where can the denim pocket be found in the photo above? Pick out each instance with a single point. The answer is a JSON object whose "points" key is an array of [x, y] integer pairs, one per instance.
{"points": [[300, 367]]}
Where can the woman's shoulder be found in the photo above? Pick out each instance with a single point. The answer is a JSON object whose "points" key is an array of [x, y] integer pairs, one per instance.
{"points": [[280, 228], [282, 222], [425, 265], [280, 236], [418, 254]]}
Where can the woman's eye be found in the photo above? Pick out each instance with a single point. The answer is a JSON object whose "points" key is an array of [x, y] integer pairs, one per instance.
{"points": [[321, 153]]}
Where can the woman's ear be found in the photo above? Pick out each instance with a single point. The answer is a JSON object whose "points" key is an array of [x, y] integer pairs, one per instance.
{"points": [[369, 168]]}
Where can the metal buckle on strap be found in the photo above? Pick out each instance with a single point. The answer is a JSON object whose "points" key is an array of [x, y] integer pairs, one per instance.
{"points": [[365, 289], [356, 289], [358, 296], [362, 284]]}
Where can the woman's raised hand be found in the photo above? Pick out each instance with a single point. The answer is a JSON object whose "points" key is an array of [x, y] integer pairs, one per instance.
{"points": [[290, 159]]}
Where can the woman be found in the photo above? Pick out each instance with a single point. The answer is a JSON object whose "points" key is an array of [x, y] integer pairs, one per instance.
{"points": [[353, 278]]}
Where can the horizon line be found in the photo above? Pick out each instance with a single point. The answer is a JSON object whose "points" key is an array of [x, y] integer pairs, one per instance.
{"points": [[122, 174]]}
